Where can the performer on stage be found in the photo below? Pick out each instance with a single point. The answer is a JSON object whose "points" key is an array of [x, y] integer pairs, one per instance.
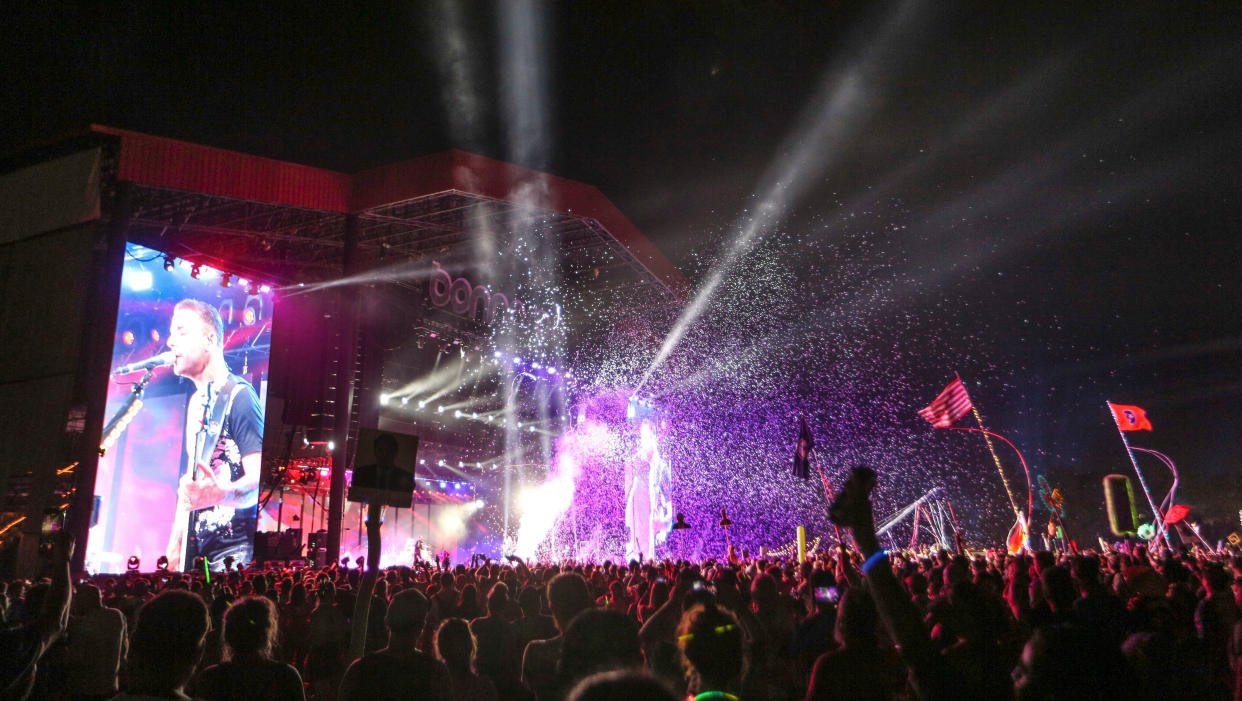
{"points": [[218, 493], [648, 498]]}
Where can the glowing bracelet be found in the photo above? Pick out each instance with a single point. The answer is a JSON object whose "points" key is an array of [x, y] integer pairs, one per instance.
{"points": [[871, 561]]}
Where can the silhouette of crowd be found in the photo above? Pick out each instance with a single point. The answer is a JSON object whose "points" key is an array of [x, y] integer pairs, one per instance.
{"points": [[1133, 620]]}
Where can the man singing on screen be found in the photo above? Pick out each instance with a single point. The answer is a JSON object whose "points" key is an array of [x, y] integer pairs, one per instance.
{"points": [[218, 494]]}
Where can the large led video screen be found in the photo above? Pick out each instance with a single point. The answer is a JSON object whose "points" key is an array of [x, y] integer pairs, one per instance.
{"points": [[182, 446]]}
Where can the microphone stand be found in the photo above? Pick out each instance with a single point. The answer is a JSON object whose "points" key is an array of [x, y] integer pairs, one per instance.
{"points": [[129, 408]]}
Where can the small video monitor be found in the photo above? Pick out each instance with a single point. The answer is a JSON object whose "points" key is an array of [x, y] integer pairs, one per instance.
{"points": [[384, 468]]}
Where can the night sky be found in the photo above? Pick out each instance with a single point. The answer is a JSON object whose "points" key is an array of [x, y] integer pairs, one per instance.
{"points": [[1050, 191]]}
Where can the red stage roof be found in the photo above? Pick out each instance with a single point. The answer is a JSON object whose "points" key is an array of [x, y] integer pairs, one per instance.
{"points": [[179, 165]]}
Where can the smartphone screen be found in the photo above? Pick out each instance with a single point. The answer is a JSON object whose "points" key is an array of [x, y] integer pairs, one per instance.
{"points": [[828, 595]]}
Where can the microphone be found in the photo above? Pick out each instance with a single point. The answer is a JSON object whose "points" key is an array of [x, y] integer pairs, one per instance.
{"points": [[156, 361]]}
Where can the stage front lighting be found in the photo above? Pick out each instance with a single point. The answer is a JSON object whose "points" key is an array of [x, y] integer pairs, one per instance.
{"points": [[132, 564], [169, 263]]}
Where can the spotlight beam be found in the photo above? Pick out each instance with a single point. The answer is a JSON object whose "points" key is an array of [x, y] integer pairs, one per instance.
{"points": [[834, 114]]}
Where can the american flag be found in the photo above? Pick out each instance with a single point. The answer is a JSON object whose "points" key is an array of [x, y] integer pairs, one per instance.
{"points": [[949, 406]]}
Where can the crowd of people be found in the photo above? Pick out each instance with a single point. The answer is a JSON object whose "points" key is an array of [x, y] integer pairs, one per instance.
{"points": [[1130, 621]]}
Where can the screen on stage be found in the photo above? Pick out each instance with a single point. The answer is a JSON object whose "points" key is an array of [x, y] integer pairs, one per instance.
{"points": [[182, 446]]}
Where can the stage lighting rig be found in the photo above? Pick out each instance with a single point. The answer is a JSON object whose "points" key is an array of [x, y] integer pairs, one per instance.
{"points": [[169, 263], [226, 279], [196, 270]]}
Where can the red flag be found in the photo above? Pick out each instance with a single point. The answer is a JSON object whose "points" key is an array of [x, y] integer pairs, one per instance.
{"points": [[951, 404], [1130, 418]]}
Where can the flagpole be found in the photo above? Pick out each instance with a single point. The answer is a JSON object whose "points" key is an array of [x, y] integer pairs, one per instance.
{"points": [[995, 458], [827, 492], [1142, 480]]}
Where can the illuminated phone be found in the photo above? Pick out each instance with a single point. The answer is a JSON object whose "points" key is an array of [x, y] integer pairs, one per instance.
{"points": [[827, 595]]}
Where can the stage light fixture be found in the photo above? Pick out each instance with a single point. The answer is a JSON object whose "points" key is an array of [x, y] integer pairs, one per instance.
{"points": [[498, 354], [405, 401], [422, 404], [517, 360], [155, 335], [383, 399], [265, 288], [422, 461], [254, 288], [551, 371], [226, 280], [535, 364], [128, 338], [460, 464], [162, 563], [196, 270], [457, 413], [440, 410], [442, 485], [169, 263], [331, 445], [132, 564]]}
